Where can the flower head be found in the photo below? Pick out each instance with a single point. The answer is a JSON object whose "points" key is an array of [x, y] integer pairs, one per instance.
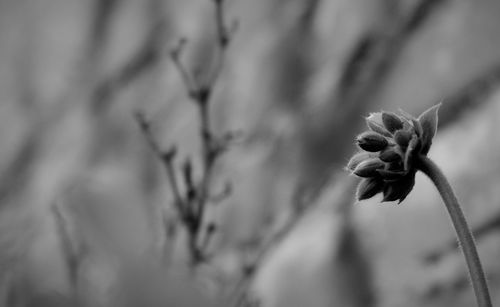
{"points": [[389, 149]]}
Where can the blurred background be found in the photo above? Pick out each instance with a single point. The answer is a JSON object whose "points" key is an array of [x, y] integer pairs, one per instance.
{"points": [[87, 213]]}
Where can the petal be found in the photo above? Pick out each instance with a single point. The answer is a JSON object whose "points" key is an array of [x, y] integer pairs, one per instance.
{"points": [[429, 121], [406, 186], [390, 193], [403, 137], [390, 155], [391, 175], [406, 115], [356, 159], [371, 141], [376, 118], [378, 128], [392, 122], [400, 189], [417, 126], [374, 122], [394, 166], [369, 187], [368, 168], [411, 152]]}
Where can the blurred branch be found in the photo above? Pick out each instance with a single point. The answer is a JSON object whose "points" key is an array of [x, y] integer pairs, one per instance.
{"points": [[167, 159], [100, 25], [240, 296], [455, 286], [17, 174], [192, 87], [419, 15], [376, 53], [191, 203], [490, 225], [471, 95], [70, 251], [305, 202], [212, 147], [146, 56]]}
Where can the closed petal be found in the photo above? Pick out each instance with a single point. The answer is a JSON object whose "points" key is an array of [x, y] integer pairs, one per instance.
{"points": [[403, 137], [390, 193], [374, 122], [411, 151], [417, 126], [391, 175], [368, 188], [392, 122], [368, 168], [372, 141], [376, 118], [406, 187], [356, 159], [394, 166], [406, 115], [390, 155], [429, 122], [399, 190]]}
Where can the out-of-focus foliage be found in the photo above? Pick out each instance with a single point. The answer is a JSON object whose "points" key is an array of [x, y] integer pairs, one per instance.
{"points": [[81, 194]]}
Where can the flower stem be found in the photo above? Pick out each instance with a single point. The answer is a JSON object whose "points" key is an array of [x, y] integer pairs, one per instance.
{"points": [[464, 234]]}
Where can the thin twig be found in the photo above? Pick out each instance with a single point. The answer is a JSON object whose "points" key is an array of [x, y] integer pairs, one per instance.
{"points": [[191, 84], [69, 249], [211, 146], [224, 37], [166, 157]]}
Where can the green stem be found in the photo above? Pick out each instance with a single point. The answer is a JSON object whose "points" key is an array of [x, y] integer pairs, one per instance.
{"points": [[464, 234]]}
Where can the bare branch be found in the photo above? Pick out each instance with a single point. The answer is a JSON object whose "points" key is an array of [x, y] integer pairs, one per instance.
{"points": [[192, 202], [191, 84], [70, 251], [166, 157], [224, 37]]}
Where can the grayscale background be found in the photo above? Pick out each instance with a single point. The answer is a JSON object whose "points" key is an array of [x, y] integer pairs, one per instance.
{"points": [[86, 209]]}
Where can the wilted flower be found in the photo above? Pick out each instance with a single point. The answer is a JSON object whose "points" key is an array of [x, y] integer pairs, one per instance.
{"points": [[389, 151]]}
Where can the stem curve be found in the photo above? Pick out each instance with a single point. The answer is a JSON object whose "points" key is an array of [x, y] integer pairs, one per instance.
{"points": [[429, 168]]}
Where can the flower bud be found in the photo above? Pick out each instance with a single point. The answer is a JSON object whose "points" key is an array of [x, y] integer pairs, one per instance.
{"points": [[392, 122], [402, 137], [398, 190], [368, 168], [368, 188], [372, 141], [356, 159], [374, 122], [413, 146], [390, 175], [389, 155], [429, 121], [394, 166]]}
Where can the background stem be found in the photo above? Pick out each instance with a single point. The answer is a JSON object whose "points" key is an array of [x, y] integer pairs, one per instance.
{"points": [[464, 234]]}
